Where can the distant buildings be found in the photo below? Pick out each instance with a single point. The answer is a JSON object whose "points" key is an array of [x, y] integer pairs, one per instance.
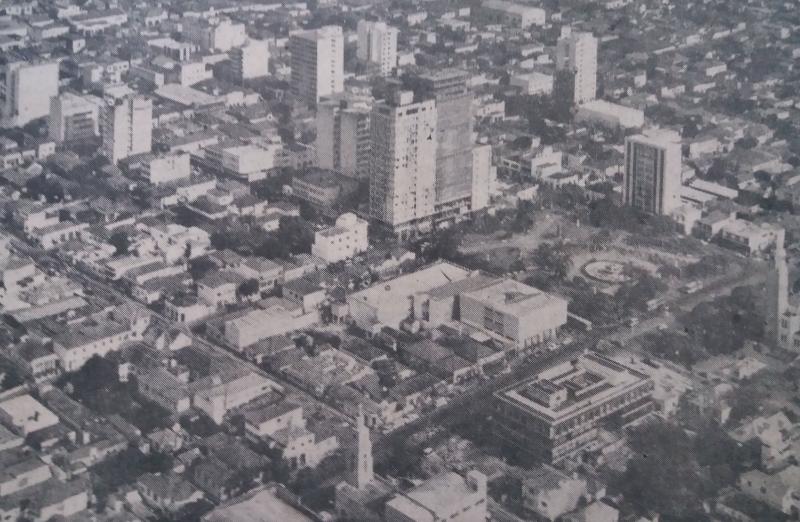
{"points": [[26, 90], [317, 63], [653, 171], [343, 136], [558, 414], [403, 169], [342, 241], [610, 115], [377, 44], [127, 127], [73, 118], [510, 14], [577, 53], [223, 35]]}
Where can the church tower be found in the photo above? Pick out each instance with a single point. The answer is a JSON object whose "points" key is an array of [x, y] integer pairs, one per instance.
{"points": [[778, 297], [362, 472]]}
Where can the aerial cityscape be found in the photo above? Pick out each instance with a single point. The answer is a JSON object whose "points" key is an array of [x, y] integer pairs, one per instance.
{"points": [[401, 260]]}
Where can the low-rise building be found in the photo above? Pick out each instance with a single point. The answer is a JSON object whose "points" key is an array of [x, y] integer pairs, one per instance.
{"points": [[26, 415], [556, 415], [342, 241], [448, 496]]}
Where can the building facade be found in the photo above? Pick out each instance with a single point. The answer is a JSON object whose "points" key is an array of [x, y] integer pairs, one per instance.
{"points": [[127, 127], [377, 44], [653, 172], [26, 91], [73, 118], [343, 137], [403, 167], [317, 62], [557, 414], [577, 53]]}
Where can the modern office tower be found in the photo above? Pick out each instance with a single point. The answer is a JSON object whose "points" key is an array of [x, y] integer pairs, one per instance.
{"points": [[73, 118], [317, 63], [343, 136], [402, 182], [377, 43], [453, 98], [250, 60], [26, 91], [653, 171], [127, 127], [577, 53]]}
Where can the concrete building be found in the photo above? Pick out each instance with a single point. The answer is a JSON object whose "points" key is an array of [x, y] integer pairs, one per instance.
{"points": [[127, 127], [510, 14], [26, 90], [343, 136], [447, 496], [611, 115], [653, 171], [484, 177], [557, 414], [247, 161], [454, 124], [403, 168], [250, 60], [377, 44], [73, 118], [166, 169], [317, 61], [533, 83], [222, 35], [26, 415], [514, 312], [577, 53], [342, 241]]}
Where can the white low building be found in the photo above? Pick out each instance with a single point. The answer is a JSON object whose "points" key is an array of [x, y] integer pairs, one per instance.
{"points": [[610, 114], [342, 241]]}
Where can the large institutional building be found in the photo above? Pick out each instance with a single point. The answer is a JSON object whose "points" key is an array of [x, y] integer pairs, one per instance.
{"points": [[577, 53], [653, 171], [403, 168], [26, 91], [559, 413], [317, 63], [73, 118], [127, 127], [377, 44]]}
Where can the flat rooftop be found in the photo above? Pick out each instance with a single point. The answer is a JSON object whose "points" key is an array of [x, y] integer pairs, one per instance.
{"points": [[583, 382]]}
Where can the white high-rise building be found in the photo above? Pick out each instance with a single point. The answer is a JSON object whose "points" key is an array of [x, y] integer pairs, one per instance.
{"points": [[317, 63], [73, 117], [26, 91], [250, 60], [577, 52], [377, 43], [127, 127], [402, 183], [653, 171], [343, 138], [484, 176]]}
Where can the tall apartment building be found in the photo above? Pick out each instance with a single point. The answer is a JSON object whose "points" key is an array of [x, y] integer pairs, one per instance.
{"points": [[454, 122], [26, 90], [484, 176], [317, 60], [653, 171], [250, 60], [377, 43], [343, 137], [73, 118], [402, 189], [558, 414], [577, 53], [127, 127]]}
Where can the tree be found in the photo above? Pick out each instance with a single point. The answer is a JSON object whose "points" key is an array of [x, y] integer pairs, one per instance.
{"points": [[121, 242], [249, 287], [553, 258]]}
